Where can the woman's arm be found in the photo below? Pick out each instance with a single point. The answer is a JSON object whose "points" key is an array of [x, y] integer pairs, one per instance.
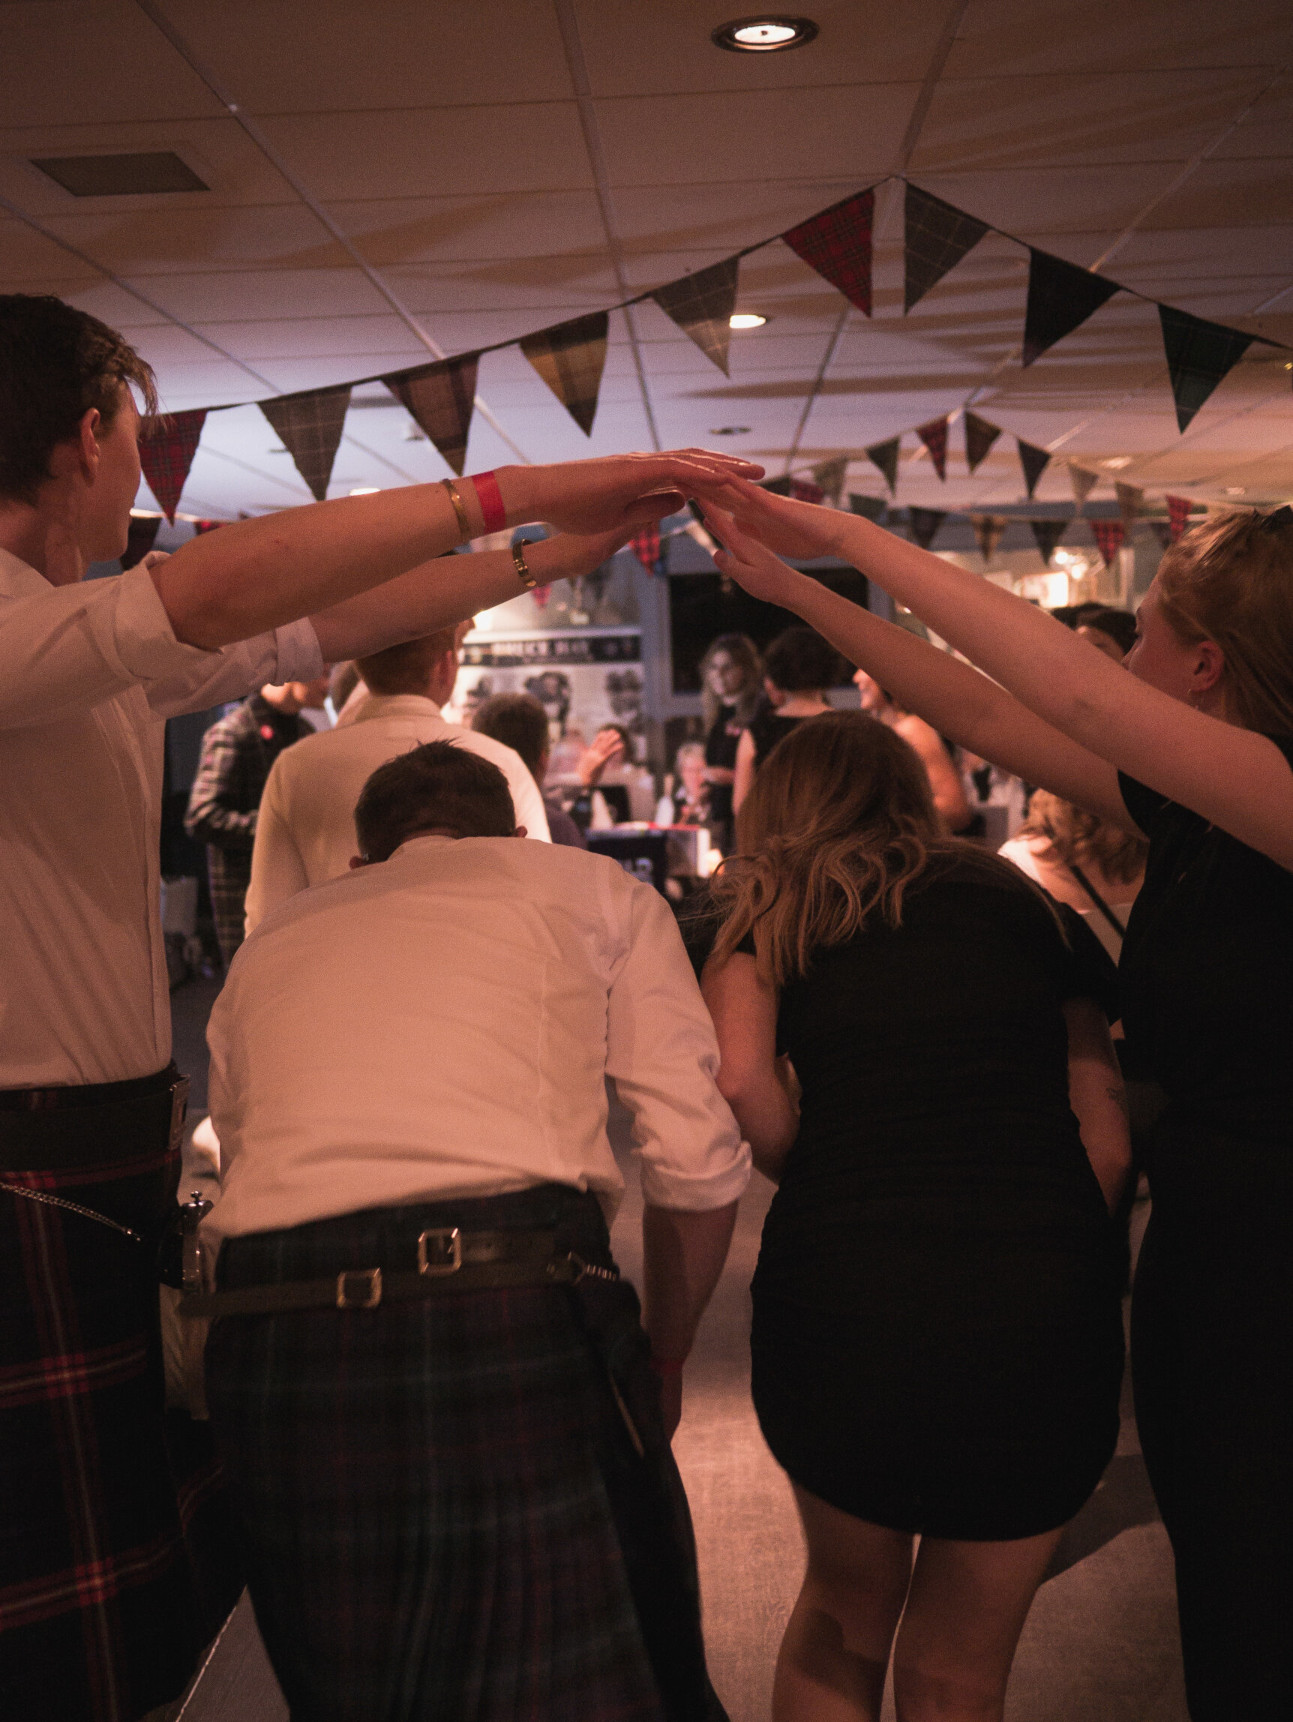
{"points": [[1233, 777], [744, 1009], [953, 697], [945, 784], [448, 589], [1097, 1097], [743, 776]]}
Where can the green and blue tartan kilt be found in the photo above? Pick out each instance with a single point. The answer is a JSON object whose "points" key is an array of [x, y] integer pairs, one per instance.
{"points": [[444, 1512]]}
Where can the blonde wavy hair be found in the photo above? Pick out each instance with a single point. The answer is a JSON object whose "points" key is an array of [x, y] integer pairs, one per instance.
{"points": [[1076, 837], [1230, 580], [837, 828]]}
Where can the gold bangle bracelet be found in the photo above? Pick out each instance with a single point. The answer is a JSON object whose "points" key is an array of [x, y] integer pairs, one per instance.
{"points": [[523, 574], [464, 525]]}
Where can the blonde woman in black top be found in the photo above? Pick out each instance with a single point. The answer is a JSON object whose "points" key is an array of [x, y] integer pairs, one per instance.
{"points": [[1193, 749]]}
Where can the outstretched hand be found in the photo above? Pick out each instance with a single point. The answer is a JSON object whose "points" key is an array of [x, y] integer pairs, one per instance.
{"points": [[750, 563], [620, 492], [790, 528]]}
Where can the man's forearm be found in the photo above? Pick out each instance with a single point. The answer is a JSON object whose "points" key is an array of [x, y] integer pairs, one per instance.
{"points": [[683, 1255]]}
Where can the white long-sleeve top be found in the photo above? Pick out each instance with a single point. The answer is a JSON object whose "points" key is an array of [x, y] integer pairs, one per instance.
{"points": [[88, 674], [305, 831], [441, 1024]]}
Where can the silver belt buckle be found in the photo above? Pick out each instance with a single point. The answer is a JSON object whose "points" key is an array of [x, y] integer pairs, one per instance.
{"points": [[367, 1288], [439, 1251]]}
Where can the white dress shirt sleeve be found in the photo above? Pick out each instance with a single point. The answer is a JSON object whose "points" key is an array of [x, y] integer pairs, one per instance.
{"points": [[663, 1054], [277, 867], [65, 649]]}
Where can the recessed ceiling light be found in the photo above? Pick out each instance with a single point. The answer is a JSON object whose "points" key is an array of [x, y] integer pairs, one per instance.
{"points": [[746, 320], [1235, 490], [767, 34], [730, 430], [1118, 462], [366, 490]]}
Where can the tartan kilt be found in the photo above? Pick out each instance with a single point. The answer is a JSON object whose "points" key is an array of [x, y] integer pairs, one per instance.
{"points": [[444, 1513], [102, 1610]]}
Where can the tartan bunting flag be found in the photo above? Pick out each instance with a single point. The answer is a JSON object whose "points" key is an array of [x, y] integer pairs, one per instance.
{"points": [[1060, 297], [885, 456], [141, 535], [988, 530], [869, 507], [440, 397], [645, 545], [934, 436], [1084, 482], [167, 444], [1048, 534], [1178, 515], [979, 438], [937, 237], [828, 475], [1199, 354], [798, 489], [1034, 461], [837, 244], [310, 426], [702, 304], [1130, 498], [923, 524], [1162, 530], [570, 358], [1109, 535]]}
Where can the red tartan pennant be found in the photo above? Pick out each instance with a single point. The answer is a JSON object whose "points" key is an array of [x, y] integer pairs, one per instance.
{"points": [[1178, 515], [837, 244], [1109, 535], [167, 445], [645, 545], [934, 436]]}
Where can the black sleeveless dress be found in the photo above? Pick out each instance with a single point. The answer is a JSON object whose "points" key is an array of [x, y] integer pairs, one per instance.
{"points": [[937, 1339]]}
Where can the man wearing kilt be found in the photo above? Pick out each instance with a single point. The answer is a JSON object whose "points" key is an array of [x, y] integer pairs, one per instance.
{"points": [[445, 1423], [101, 1611]]}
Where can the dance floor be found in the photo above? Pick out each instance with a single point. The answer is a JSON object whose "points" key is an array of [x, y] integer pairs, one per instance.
{"points": [[1101, 1641]]}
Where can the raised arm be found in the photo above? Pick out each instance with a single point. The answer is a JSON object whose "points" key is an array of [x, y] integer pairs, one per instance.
{"points": [[951, 696], [448, 589], [1233, 777], [258, 574]]}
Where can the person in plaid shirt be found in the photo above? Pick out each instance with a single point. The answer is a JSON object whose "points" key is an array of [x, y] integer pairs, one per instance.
{"points": [[237, 754]]}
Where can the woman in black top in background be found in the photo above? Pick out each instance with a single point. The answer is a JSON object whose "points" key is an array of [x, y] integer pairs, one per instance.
{"points": [[731, 686], [1194, 748], [937, 1339], [798, 667]]}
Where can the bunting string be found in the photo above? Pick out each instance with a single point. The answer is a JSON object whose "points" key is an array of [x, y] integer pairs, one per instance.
{"points": [[837, 243]]}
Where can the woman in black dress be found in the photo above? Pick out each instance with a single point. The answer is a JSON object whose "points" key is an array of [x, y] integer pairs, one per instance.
{"points": [[1194, 749], [798, 667], [731, 687], [937, 1342]]}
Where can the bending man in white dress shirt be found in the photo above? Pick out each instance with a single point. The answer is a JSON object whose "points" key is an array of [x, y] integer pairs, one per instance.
{"points": [[306, 828], [99, 1619], [436, 1403]]}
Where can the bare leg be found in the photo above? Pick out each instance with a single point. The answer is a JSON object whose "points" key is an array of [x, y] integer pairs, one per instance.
{"points": [[965, 1610], [832, 1662]]}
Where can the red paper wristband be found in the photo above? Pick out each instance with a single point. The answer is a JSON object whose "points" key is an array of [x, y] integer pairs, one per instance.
{"points": [[491, 501]]}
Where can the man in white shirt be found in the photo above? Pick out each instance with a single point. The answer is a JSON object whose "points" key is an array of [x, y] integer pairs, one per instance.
{"points": [[305, 832], [434, 1395], [99, 1619]]}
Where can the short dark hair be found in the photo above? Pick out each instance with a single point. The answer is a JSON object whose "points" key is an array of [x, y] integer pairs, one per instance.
{"points": [[437, 784], [1120, 625], [799, 660], [519, 722], [55, 364], [404, 669]]}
